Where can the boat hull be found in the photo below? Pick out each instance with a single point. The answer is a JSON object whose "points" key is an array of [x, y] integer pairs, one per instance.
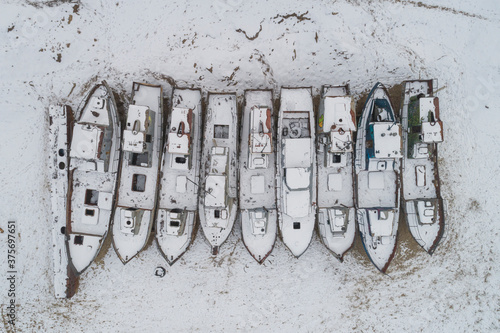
{"points": [[335, 126], [139, 172], [378, 184], [179, 185], [422, 201], [92, 176], [296, 169], [257, 190], [218, 200]]}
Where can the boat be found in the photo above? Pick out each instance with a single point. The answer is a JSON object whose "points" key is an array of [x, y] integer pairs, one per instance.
{"points": [[257, 174], [94, 158], [179, 177], [139, 171], [422, 131], [64, 278], [378, 184], [296, 169], [218, 200], [335, 156]]}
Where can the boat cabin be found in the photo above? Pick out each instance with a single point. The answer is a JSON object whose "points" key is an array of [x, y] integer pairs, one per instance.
{"points": [[138, 135], [130, 220], [173, 222], [338, 220], [340, 121], [261, 144], [381, 224], [179, 138], [432, 127], [384, 140]]}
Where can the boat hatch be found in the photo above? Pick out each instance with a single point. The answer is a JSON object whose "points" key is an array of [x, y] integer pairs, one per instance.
{"points": [[335, 160], [381, 222], [138, 183], [221, 131], [335, 182], [259, 222], [86, 142], [257, 184], [420, 175], [179, 137], [181, 184], [130, 220], [96, 112], [215, 188], [297, 153], [426, 211], [134, 134], [297, 203], [387, 140], [297, 178], [338, 221]]}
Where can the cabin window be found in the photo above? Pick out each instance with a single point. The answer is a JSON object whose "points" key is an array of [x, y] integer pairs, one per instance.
{"points": [[138, 183], [221, 131], [336, 158], [62, 165], [78, 240], [180, 160], [91, 198], [296, 225], [149, 138], [139, 159], [217, 214], [175, 223], [61, 152], [89, 212], [63, 230]]}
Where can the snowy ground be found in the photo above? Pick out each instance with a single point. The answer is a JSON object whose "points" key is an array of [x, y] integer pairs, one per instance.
{"points": [[53, 51]]}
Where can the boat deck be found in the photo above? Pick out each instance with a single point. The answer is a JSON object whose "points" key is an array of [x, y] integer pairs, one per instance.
{"points": [[179, 188], [377, 189], [335, 184], [257, 186]]}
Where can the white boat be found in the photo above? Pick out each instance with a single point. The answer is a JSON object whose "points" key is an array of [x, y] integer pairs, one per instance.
{"points": [[139, 170], [335, 156], [179, 176], [218, 200], [377, 167], [296, 169], [422, 131], [257, 172], [65, 280], [94, 160]]}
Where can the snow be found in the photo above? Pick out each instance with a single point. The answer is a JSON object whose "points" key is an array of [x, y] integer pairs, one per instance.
{"points": [[456, 289]]}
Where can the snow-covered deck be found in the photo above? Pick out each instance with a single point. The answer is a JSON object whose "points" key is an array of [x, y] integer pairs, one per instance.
{"points": [[218, 203], [377, 189], [179, 185], [145, 196], [257, 186]]}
